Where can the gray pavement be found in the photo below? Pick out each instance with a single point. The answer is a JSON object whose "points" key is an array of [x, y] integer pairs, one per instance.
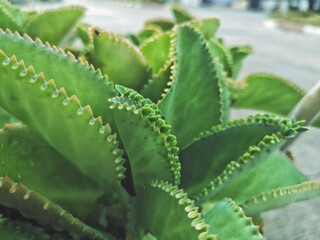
{"points": [[293, 55]]}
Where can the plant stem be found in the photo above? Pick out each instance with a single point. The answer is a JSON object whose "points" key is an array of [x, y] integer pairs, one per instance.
{"points": [[307, 109]]}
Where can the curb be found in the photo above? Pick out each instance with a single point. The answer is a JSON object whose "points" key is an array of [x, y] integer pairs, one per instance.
{"points": [[307, 29]]}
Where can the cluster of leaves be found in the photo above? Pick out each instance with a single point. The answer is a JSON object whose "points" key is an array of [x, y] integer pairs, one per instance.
{"points": [[36, 24], [142, 148]]}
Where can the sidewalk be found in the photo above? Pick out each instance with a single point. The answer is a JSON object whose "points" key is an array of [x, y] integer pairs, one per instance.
{"points": [[288, 26]]}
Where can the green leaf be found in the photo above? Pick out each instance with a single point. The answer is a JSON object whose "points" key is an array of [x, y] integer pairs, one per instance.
{"points": [[180, 14], [239, 53], [120, 60], [253, 182], [60, 20], [61, 121], [84, 32], [208, 27], [22, 229], [282, 196], [6, 117], [33, 205], [11, 232], [29, 15], [77, 77], [156, 52], [229, 221], [240, 172], [141, 127], [268, 92], [166, 212], [11, 17], [132, 38], [222, 54], [217, 148], [148, 32], [155, 87], [198, 97], [162, 23], [29, 159], [7, 21]]}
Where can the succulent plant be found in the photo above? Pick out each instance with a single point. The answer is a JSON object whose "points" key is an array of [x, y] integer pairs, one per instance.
{"points": [[141, 149]]}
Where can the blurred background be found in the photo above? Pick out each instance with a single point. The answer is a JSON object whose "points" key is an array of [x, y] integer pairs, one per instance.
{"points": [[268, 5]]}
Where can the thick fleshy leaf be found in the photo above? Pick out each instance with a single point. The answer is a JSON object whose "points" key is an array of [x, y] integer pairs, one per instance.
{"points": [[61, 121], [282, 196], [84, 32], [215, 149], [6, 117], [141, 127], [155, 87], [180, 14], [208, 27], [222, 54], [15, 229], [195, 75], [11, 232], [166, 212], [268, 92], [120, 60], [35, 206], [228, 221], [148, 33], [12, 17], [164, 24], [60, 20], [132, 38], [253, 182], [240, 172], [76, 77], [28, 158], [239, 53], [156, 52], [7, 20]]}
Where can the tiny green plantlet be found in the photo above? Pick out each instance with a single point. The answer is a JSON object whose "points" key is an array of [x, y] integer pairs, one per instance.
{"points": [[142, 148]]}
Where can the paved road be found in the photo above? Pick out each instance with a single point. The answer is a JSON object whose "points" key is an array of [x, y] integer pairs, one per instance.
{"points": [[289, 54]]}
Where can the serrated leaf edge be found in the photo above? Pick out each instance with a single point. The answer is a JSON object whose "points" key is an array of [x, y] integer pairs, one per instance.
{"points": [[192, 211], [242, 215], [50, 87], [48, 47], [284, 191], [226, 54], [36, 18], [218, 69], [234, 166], [133, 50], [266, 119], [170, 55], [288, 83], [177, 8], [150, 113], [64, 220]]}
